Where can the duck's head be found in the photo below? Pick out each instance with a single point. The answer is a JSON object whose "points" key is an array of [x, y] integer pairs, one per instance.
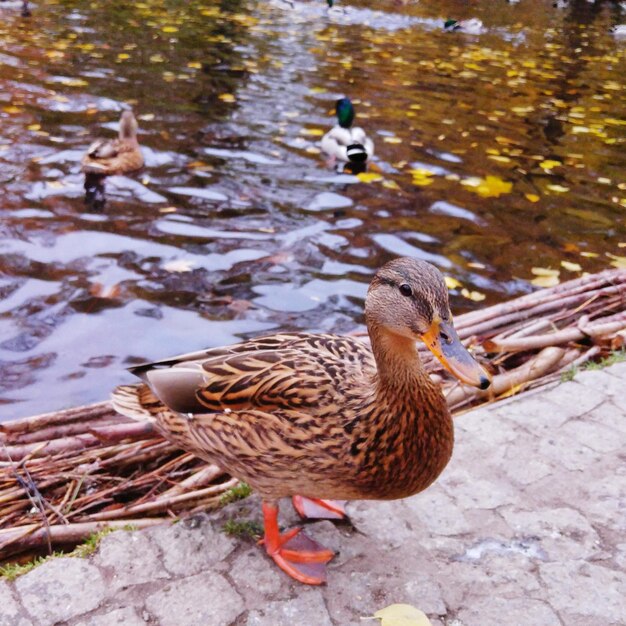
{"points": [[345, 112], [128, 125], [409, 298], [450, 24], [330, 3]]}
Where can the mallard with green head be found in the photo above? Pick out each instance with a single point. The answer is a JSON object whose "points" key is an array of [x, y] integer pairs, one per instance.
{"points": [[315, 416], [345, 142], [472, 26]]}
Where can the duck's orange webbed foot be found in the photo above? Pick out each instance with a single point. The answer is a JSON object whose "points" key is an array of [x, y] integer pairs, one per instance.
{"points": [[313, 508], [294, 552]]}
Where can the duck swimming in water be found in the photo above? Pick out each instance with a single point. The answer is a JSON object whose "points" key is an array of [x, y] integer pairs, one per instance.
{"points": [[319, 416], [345, 142], [108, 157], [472, 26]]}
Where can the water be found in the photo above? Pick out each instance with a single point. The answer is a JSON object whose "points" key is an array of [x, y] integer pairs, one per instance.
{"points": [[236, 225]]}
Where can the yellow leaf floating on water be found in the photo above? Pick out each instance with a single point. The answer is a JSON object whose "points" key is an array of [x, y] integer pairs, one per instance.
{"points": [[391, 184], [545, 277], [169, 29], [558, 188], [544, 271], [474, 296], [451, 283], [549, 164], [488, 187], [226, 97], [392, 140], [618, 261], [422, 177], [312, 132], [369, 177], [532, 197], [571, 267], [402, 615]]}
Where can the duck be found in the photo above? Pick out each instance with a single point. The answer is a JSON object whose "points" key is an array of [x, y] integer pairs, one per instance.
{"points": [[107, 157], [472, 26], [345, 142], [619, 30], [320, 418], [115, 156]]}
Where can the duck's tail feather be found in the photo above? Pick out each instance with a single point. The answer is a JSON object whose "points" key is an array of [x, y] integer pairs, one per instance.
{"points": [[356, 153], [136, 402]]}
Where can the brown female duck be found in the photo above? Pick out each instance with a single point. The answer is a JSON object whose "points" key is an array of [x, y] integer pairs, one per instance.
{"points": [[107, 157], [320, 416]]}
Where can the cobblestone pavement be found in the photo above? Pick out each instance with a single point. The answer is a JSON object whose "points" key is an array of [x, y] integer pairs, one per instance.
{"points": [[527, 527]]}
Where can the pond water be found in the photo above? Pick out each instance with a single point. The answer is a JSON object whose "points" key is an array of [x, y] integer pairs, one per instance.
{"points": [[498, 157]]}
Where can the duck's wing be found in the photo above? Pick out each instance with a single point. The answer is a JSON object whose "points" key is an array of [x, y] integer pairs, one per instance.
{"points": [[104, 149], [290, 372], [112, 156]]}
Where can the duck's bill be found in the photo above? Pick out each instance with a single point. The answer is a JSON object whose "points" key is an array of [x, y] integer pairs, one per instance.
{"points": [[441, 339]]}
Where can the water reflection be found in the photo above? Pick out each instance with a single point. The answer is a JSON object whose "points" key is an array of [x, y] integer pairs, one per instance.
{"points": [[236, 225]]}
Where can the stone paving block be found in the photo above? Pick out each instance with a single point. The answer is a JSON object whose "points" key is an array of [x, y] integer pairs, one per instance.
{"points": [[600, 383], [617, 369], [382, 520], [307, 608], [497, 611], [192, 546], [496, 567], [487, 425], [370, 582], [604, 498], [10, 609], [610, 415], [133, 559], [521, 467], [205, 599], [126, 616], [552, 408], [586, 590], [433, 511], [256, 577], [598, 437], [471, 492], [61, 589], [563, 533], [562, 448], [537, 414]]}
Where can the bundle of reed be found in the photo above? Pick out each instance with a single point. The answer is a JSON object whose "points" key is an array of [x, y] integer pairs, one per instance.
{"points": [[67, 474]]}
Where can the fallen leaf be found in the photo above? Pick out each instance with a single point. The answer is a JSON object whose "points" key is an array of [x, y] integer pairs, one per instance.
{"points": [[544, 271], [549, 164], [532, 197], [451, 283], [571, 267], [558, 188], [369, 177], [545, 281], [312, 132], [475, 296], [402, 615], [488, 187], [618, 261], [226, 97]]}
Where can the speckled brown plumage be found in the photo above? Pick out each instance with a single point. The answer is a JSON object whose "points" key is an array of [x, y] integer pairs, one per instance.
{"points": [[107, 157], [317, 415]]}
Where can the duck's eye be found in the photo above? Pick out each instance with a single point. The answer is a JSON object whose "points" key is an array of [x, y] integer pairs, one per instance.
{"points": [[406, 290]]}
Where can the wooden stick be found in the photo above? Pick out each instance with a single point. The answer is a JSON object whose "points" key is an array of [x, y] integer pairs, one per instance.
{"points": [[78, 442], [15, 540]]}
